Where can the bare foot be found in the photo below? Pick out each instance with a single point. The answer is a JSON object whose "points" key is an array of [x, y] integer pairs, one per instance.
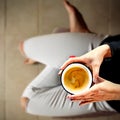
{"points": [[29, 61], [24, 101], [77, 23]]}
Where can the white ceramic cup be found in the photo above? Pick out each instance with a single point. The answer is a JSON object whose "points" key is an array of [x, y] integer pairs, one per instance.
{"points": [[76, 78]]}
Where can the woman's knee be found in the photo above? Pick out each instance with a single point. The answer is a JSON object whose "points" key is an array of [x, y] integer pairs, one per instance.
{"points": [[24, 101]]}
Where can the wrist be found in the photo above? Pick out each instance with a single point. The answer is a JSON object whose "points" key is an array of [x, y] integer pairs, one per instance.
{"points": [[117, 91], [113, 89], [106, 50]]}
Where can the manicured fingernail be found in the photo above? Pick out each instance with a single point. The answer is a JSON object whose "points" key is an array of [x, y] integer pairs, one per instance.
{"points": [[72, 56]]}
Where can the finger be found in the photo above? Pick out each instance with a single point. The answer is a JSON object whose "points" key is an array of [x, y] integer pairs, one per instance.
{"points": [[85, 102], [73, 97], [69, 61], [72, 60], [79, 96], [65, 64], [91, 94]]}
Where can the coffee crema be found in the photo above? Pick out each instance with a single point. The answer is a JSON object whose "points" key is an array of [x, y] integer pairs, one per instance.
{"points": [[76, 79]]}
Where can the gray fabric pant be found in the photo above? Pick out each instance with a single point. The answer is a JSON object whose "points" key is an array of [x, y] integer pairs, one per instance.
{"points": [[47, 97]]}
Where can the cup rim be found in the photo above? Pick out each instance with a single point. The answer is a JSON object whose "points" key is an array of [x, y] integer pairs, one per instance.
{"points": [[77, 65]]}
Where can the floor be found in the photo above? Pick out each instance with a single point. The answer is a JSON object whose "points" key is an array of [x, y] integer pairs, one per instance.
{"points": [[22, 19]]}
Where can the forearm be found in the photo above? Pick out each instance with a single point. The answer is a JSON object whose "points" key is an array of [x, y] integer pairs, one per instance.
{"points": [[102, 51], [106, 51], [114, 44], [112, 89]]}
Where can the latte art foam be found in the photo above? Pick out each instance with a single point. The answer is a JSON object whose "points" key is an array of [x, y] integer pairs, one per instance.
{"points": [[76, 78]]}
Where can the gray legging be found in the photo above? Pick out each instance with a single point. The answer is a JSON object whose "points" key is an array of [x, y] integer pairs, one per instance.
{"points": [[47, 97]]}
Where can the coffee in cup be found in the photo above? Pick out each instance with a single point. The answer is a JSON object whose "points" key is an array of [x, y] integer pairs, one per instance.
{"points": [[76, 78]]}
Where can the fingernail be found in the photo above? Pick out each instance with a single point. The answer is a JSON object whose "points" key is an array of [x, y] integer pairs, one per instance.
{"points": [[72, 56], [68, 97]]}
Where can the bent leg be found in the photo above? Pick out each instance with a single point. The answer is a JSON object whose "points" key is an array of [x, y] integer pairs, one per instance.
{"points": [[77, 22], [45, 96], [36, 48], [46, 80], [53, 103]]}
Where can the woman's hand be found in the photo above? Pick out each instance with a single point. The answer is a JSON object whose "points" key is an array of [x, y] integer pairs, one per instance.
{"points": [[102, 91], [92, 59]]}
